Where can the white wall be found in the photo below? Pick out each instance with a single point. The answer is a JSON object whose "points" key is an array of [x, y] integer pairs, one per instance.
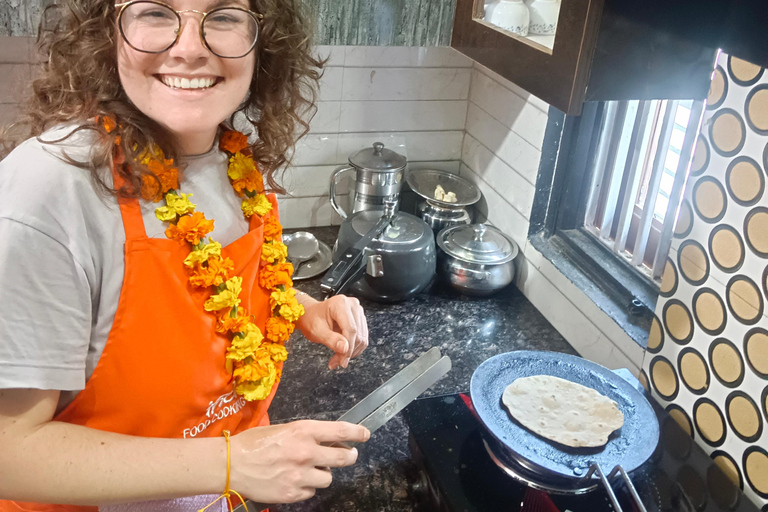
{"points": [[501, 153], [413, 99]]}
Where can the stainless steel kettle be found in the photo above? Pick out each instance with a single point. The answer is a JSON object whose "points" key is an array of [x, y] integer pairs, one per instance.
{"points": [[378, 178]]}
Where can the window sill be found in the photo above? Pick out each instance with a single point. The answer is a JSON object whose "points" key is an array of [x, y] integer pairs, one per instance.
{"points": [[604, 280]]}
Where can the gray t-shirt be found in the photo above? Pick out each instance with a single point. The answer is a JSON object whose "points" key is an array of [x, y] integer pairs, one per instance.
{"points": [[62, 262]]}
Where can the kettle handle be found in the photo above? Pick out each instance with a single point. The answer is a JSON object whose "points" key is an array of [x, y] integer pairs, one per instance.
{"points": [[337, 174]]}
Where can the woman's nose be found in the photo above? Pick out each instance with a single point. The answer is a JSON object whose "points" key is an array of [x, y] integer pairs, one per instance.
{"points": [[190, 45]]}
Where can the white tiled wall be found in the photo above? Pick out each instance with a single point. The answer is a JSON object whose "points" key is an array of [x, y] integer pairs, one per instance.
{"points": [[414, 100], [501, 152]]}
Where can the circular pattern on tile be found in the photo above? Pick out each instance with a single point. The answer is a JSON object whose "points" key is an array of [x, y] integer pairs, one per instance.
{"points": [[756, 231], [765, 282], [756, 351], [726, 363], [745, 301], [678, 321], [718, 89], [745, 181], [756, 109], [727, 132], [693, 371], [643, 378], [729, 466], [684, 223], [681, 418], [709, 422], [765, 157], [676, 441], [755, 464], [664, 378], [693, 262], [726, 248], [669, 279], [742, 72], [709, 311], [709, 199], [722, 488], [701, 156], [655, 336], [744, 416], [764, 400]]}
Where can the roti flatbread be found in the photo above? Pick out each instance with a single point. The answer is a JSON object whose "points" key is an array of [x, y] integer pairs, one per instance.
{"points": [[563, 411]]}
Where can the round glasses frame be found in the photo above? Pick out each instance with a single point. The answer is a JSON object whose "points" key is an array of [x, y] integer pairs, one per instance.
{"points": [[124, 5]]}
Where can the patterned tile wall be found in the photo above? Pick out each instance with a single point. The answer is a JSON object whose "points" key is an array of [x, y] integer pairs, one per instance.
{"points": [[707, 360]]}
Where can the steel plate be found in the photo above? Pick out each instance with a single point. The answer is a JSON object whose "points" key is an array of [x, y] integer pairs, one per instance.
{"points": [[630, 446]]}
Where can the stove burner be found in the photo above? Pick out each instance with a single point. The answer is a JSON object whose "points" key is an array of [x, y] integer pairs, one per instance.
{"points": [[525, 478]]}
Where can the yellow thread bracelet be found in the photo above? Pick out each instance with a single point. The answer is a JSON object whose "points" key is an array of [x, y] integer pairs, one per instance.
{"points": [[227, 491]]}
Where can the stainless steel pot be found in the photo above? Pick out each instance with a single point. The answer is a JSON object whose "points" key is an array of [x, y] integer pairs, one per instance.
{"points": [[378, 179], [476, 259], [396, 262], [437, 213]]}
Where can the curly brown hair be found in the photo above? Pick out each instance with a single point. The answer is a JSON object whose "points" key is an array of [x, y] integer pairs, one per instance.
{"points": [[78, 81]]}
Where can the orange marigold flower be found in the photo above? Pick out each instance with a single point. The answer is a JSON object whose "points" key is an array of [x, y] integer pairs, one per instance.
{"points": [[279, 329], [272, 228], [232, 141], [108, 123], [167, 176], [253, 182], [227, 323], [212, 272], [190, 228], [272, 276]]}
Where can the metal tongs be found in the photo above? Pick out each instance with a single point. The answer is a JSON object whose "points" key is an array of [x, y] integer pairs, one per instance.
{"points": [[388, 399], [351, 264]]}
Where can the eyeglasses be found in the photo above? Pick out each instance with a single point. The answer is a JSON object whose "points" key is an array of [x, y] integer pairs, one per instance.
{"points": [[153, 27]]}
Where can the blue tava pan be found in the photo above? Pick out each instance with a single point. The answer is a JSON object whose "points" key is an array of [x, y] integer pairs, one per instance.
{"points": [[630, 446]]}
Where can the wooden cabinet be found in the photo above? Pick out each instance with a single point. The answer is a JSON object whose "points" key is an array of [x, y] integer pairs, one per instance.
{"points": [[603, 50]]}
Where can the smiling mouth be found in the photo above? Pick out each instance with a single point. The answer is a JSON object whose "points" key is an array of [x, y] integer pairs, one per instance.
{"points": [[200, 83]]}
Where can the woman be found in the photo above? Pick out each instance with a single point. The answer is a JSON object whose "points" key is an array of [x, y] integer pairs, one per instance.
{"points": [[135, 332]]}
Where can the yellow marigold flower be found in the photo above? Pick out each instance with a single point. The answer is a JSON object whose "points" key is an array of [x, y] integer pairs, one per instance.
{"points": [[228, 297], [274, 252], [279, 329], [200, 255], [292, 311], [240, 166], [278, 298], [151, 152], [247, 345], [258, 204], [175, 205], [276, 351], [258, 390]]}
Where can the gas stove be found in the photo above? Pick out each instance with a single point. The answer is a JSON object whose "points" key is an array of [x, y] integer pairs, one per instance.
{"points": [[462, 470]]}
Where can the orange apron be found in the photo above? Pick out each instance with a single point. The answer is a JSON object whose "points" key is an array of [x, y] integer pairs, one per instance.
{"points": [[163, 372]]}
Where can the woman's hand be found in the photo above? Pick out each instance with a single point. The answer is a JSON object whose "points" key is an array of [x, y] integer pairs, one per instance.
{"points": [[338, 323], [288, 463]]}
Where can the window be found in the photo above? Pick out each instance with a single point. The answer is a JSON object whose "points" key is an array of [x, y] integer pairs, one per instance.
{"points": [[608, 192]]}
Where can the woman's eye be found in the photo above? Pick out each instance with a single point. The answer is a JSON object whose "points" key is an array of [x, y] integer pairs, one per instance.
{"points": [[157, 14]]}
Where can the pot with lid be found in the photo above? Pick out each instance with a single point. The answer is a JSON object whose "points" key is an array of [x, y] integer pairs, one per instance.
{"points": [[446, 197], [378, 179], [384, 258], [476, 259]]}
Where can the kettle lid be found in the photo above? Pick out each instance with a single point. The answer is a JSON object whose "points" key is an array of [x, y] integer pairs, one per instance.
{"points": [[404, 229], [478, 243], [378, 158]]}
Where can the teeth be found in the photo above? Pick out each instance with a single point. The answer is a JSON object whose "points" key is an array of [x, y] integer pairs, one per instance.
{"points": [[186, 83]]}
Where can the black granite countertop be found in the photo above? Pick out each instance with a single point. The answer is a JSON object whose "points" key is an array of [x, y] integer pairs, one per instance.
{"points": [[469, 330]]}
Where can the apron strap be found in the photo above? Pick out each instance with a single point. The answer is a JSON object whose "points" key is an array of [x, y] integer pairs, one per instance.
{"points": [[130, 210]]}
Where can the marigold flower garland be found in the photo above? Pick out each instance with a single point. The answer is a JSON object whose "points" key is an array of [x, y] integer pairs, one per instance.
{"points": [[253, 357]]}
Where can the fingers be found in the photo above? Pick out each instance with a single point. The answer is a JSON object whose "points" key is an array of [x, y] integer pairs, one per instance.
{"points": [[336, 431], [345, 319], [362, 328]]}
